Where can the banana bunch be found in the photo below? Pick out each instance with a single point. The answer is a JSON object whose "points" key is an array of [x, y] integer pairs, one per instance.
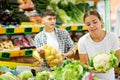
{"points": [[52, 56]]}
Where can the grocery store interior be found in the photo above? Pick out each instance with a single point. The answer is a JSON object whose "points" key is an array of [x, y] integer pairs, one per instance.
{"points": [[20, 21]]}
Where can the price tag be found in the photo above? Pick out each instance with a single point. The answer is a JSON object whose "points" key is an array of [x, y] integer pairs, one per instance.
{"points": [[9, 30], [79, 28], [28, 30], [5, 55], [68, 28], [28, 52]]}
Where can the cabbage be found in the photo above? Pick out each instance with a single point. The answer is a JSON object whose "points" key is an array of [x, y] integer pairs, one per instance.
{"points": [[44, 75], [25, 75], [31, 79], [70, 70], [7, 77]]}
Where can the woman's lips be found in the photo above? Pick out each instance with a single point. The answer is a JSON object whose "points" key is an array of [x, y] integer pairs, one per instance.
{"points": [[93, 29]]}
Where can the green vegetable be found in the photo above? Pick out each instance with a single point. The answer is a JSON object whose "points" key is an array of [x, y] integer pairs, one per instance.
{"points": [[7, 77], [103, 62], [114, 58], [31, 79], [25, 75], [95, 78], [63, 16], [44, 75], [70, 70]]}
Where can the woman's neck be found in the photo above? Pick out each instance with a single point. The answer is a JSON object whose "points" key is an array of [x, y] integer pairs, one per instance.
{"points": [[99, 36]]}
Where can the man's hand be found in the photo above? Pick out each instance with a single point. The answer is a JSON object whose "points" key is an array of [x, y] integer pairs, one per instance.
{"points": [[37, 63], [64, 55], [41, 52]]}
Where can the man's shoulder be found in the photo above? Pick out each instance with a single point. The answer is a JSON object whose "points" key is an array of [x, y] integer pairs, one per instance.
{"points": [[60, 30], [39, 34]]}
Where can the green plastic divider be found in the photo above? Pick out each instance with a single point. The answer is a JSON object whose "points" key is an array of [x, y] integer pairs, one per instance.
{"points": [[28, 52], [41, 28], [68, 28], [10, 30], [57, 26], [5, 55], [28, 30], [79, 28]]}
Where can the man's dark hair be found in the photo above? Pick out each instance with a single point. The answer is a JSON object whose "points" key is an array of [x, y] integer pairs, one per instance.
{"points": [[48, 12]]}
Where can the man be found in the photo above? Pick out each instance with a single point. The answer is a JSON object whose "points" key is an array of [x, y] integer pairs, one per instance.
{"points": [[58, 38]]}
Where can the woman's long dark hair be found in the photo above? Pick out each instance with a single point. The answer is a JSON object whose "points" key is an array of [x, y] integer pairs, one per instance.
{"points": [[92, 12]]}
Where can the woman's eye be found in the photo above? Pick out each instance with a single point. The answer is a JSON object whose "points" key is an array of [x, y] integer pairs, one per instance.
{"points": [[94, 22], [88, 24]]}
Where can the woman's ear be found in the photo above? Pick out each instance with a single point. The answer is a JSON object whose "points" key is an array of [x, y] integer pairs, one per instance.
{"points": [[101, 20], [102, 23]]}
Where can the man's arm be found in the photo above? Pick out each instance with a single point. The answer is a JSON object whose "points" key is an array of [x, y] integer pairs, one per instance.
{"points": [[68, 54]]}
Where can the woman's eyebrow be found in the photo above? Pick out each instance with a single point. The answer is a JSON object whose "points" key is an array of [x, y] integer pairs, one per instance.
{"points": [[94, 20]]}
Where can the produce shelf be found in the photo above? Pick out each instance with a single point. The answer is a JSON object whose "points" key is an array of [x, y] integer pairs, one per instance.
{"points": [[14, 64], [35, 29], [16, 53]]}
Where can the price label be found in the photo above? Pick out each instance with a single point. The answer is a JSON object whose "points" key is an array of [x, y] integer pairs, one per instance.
{"points": [[28, 30], [28, 53], [5, 55], [9, 30]]}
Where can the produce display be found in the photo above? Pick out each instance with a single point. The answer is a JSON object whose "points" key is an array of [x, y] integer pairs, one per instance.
{"points": [[70, 70], [20, 41], [45, 75], [7, 76], [25, 75], [103, 62], [68, 11], [6, 43]]}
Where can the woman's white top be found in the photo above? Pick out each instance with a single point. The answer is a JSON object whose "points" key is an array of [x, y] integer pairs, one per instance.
{"points": [[88, 46]]}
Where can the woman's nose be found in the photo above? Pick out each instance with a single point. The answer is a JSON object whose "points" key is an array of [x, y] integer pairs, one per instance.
{"points": [[91, 26]]}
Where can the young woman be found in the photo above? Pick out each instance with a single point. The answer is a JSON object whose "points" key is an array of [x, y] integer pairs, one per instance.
{"points": [[97, 40]]}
